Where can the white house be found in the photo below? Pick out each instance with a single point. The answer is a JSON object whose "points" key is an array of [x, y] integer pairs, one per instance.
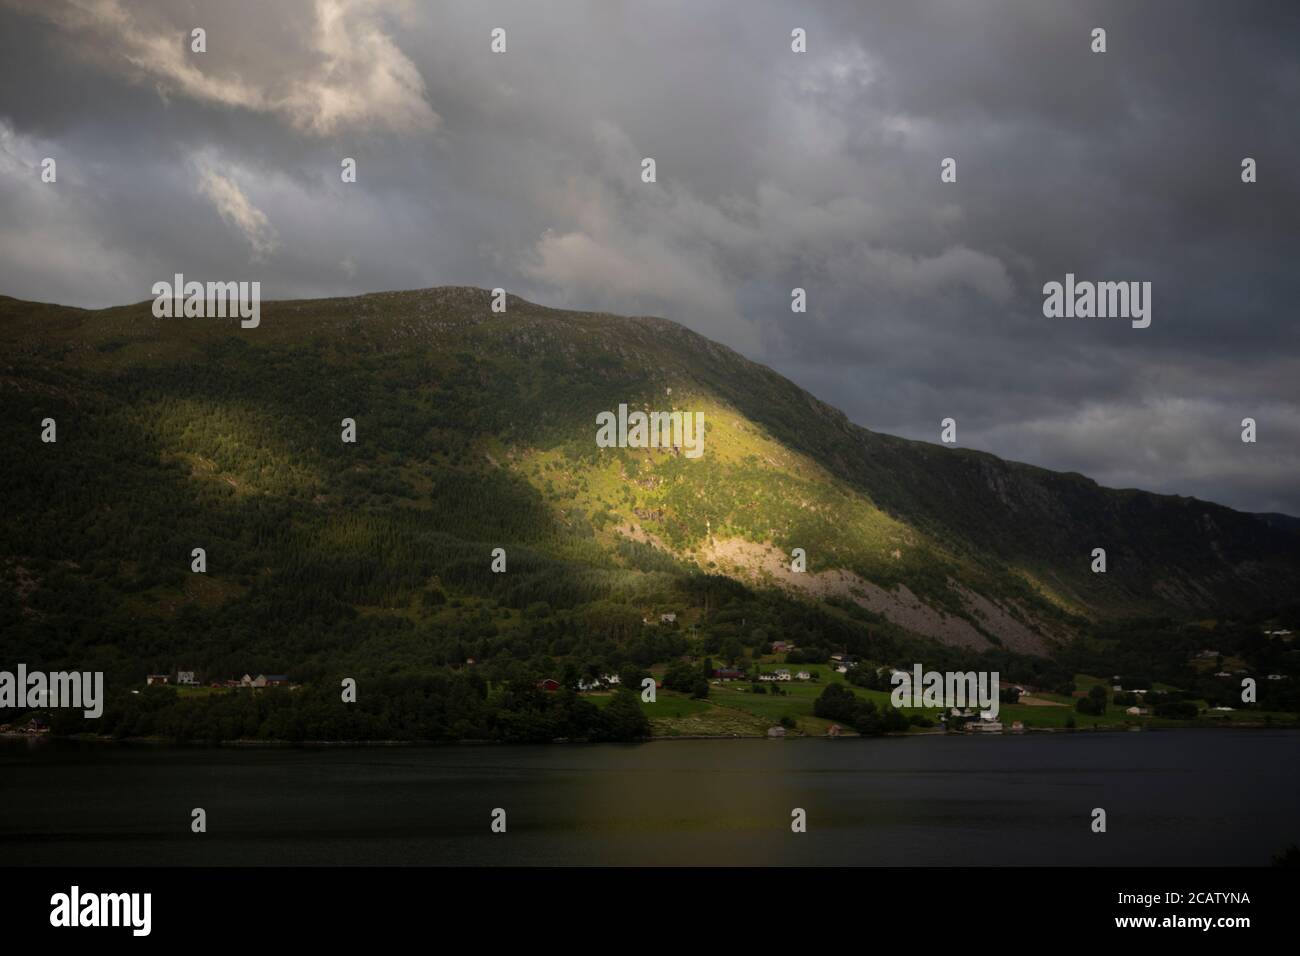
{"points": [[803, 675], [987, 724]]}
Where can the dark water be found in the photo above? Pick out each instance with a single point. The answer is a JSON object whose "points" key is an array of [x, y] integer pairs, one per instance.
{"points": [[1183, 797]]}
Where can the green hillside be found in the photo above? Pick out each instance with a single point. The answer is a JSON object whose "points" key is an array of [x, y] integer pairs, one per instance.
{"points": [[476, 431]]}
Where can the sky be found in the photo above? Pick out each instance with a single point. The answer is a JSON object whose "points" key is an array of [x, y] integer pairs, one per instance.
{"points": [[774, 170]]}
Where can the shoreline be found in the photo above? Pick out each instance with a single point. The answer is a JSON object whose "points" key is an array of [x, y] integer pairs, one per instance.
{"points": [[331, 744]]}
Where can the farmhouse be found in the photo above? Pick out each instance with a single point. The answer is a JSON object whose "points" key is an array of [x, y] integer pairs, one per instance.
{"points": [[988, 723]]}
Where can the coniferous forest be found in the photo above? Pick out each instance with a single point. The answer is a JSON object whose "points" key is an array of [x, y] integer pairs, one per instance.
{"points": [[374, 559]]}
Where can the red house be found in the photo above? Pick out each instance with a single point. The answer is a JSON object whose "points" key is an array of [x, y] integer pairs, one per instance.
{"points": [[548, 685]]}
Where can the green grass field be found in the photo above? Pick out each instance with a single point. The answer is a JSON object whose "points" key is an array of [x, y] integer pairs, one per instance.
{"points": [[733, 708]]}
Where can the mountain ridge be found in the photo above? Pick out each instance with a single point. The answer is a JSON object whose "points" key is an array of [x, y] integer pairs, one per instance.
{"points": [[950, 544]]}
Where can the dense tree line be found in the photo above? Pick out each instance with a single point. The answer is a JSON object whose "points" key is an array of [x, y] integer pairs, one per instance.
{"points": [[444, 707], [839, 703], [373, 560]]}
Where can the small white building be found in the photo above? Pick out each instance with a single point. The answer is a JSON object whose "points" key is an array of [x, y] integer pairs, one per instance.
{"points": [[987, 724]]}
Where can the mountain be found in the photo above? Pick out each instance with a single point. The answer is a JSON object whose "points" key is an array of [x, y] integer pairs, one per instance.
{"points": [[475, 431], [1284, 522]]}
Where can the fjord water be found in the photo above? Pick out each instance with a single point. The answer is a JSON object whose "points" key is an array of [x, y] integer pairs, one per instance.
{"points": [[1195, 797]]}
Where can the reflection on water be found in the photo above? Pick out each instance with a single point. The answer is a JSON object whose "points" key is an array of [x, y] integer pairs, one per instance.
{"points": [[1183, 797]]}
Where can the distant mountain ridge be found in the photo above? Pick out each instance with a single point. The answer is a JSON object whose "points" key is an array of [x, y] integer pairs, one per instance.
{"points": [[476, 430], [1276, 520]]}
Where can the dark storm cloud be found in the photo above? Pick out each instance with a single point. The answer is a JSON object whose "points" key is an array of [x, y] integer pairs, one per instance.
{"points": [[775, 170]]}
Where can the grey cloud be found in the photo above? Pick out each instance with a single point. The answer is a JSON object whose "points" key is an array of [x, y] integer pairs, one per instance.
{"points": [[775, 170]]}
